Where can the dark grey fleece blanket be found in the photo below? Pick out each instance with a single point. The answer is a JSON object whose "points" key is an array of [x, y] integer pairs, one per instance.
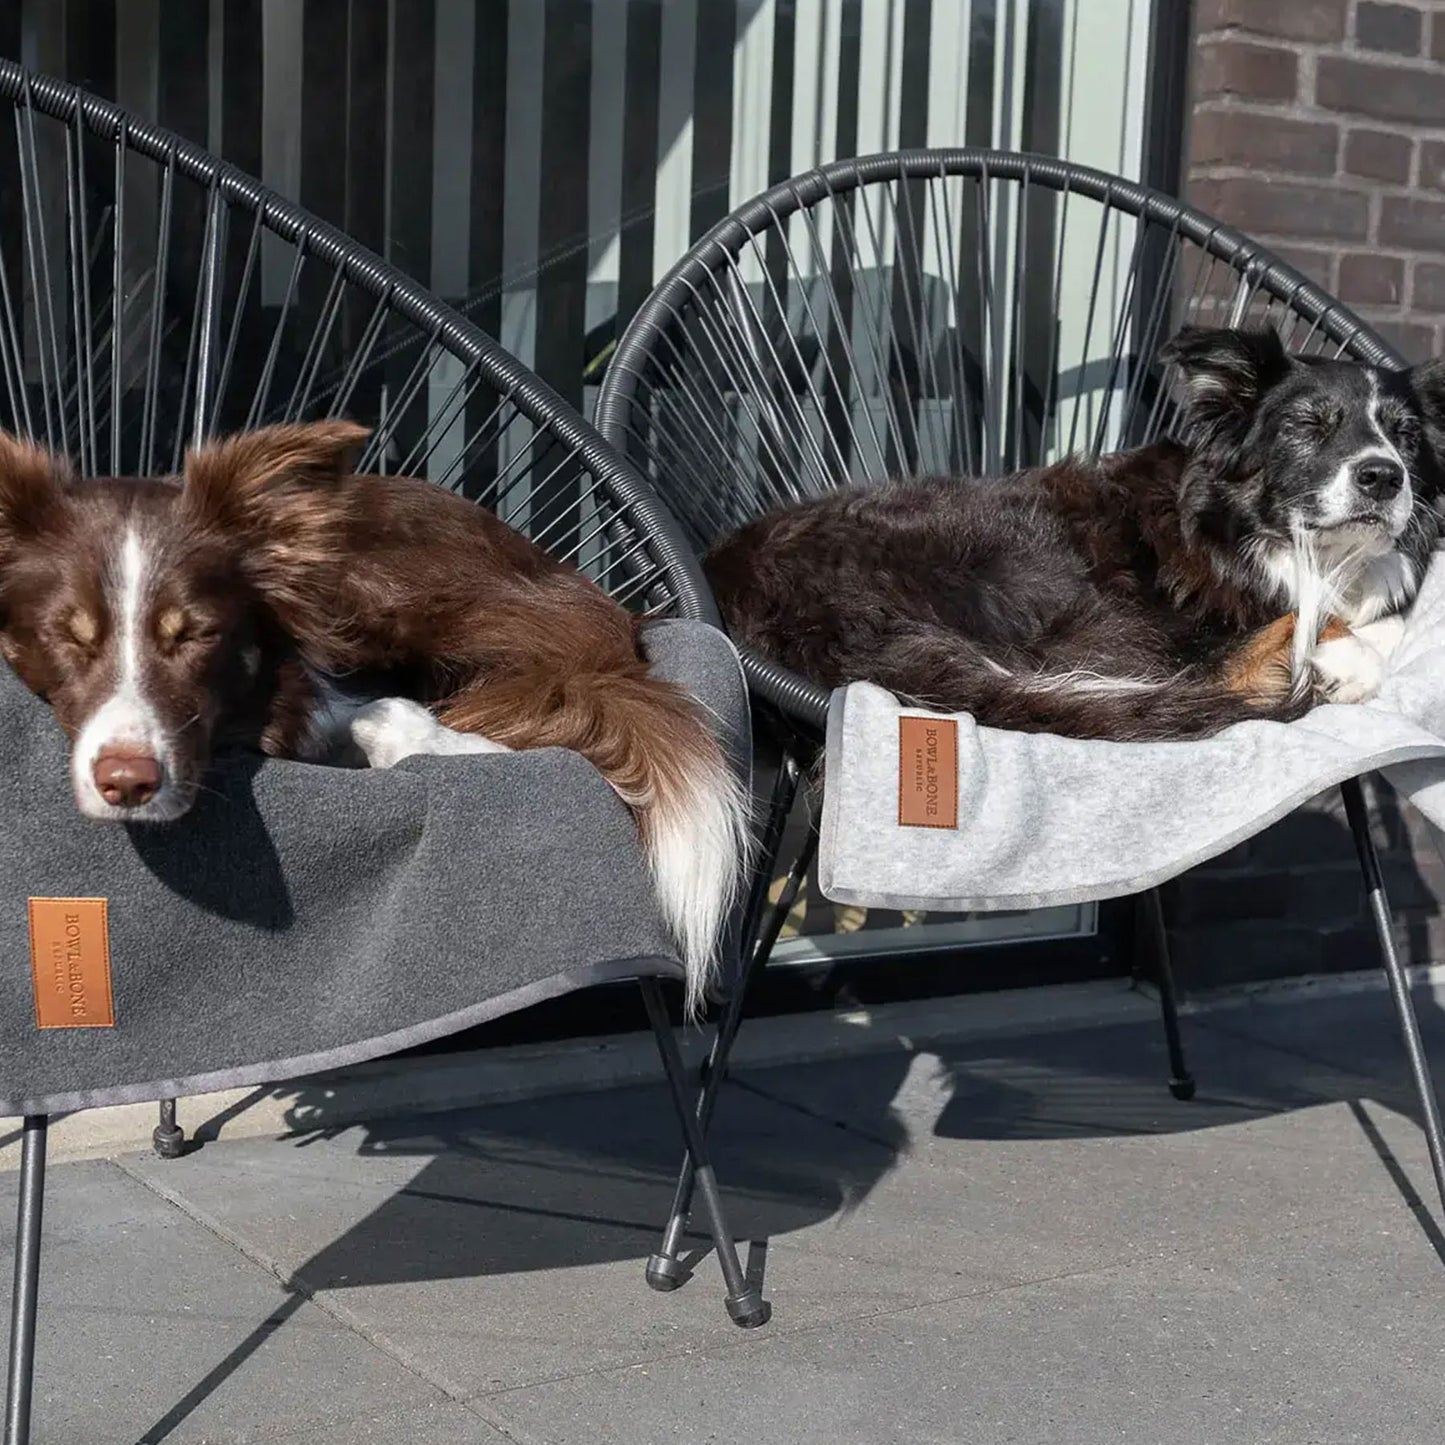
{"points": [[302, 917]]}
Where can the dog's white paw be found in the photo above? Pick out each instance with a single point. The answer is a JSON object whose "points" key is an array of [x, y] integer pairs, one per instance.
{"points": [[1347, 669], [393, 728], [1384, 635]]}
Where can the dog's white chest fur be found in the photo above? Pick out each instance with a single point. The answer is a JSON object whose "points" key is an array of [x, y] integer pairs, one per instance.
{"points": [[1385, 585], [1365, 595]]}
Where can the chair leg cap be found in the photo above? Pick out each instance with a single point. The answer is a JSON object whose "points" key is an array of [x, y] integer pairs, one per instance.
{"points": [[1182, 1088], [665, 1274], [749, 1310], [169, 1143]]}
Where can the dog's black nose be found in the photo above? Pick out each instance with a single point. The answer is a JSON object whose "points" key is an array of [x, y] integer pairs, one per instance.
{"points": [[1379, 478]]}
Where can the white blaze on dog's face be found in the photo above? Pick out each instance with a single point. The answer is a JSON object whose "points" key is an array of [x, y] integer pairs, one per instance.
{"points": [[1373, 439], [124, 756]]}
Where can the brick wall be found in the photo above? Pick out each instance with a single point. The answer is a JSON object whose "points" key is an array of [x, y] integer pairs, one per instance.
{"points": [[1318, 127]]}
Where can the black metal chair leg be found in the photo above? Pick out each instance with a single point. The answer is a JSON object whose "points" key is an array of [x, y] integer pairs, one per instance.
{"points": [[665, 1269], [745, 1303], [168, 1139], [1399, 984], [1181, 1081], [21, 1374]]}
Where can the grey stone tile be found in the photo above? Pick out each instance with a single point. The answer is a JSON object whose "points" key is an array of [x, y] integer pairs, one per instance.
{"points": [[502, 1247], [1149, 1352], [150, 1324], [1022, 1239], [442, 1422], [506, 1245]]}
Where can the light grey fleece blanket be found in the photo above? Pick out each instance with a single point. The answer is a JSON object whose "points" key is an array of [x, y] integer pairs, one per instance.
{"points": [[1043, 820]]}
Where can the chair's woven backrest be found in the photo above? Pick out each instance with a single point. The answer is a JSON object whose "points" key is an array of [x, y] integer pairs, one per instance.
{"points": [[151, 295], [930, 312]]}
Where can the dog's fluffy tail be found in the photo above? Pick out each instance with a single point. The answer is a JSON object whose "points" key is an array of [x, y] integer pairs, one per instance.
{"points": [[1196, 703], [693, 811], [651, 742]]}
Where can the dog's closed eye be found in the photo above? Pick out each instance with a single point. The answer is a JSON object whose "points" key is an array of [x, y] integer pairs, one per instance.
{"points": [[84, 627], [171, 625]]}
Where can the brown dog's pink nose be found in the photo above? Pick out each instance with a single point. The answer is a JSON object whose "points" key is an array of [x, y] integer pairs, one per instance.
{"points": [[126, 780]]}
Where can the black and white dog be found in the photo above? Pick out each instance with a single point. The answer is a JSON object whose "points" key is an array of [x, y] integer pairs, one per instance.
{"points": [[1255, 565]]}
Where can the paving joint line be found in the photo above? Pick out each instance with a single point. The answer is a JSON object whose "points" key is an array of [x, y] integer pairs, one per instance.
{"points": [[808, 1112], [293, 1283]]}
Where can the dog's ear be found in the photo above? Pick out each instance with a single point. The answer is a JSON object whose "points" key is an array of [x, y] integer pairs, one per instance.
{"points": [[279, 496], [30, 482], [253, 470], [1223, 375], [280, 482], [1428, 382]]}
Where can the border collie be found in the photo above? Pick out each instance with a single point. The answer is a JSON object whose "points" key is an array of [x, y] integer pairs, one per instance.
{"points": [[1254, 566], [272, 599]]}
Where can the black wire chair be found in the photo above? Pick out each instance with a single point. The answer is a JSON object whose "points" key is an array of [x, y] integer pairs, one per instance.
{"points": [[953, 312], [152, 295]]}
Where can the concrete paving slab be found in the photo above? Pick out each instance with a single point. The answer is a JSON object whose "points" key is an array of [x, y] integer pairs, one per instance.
{"points": [[447, 1238], [151, 1327], [1077, 1134], [1153, 1351], [438, 1423], [443, 1238]]}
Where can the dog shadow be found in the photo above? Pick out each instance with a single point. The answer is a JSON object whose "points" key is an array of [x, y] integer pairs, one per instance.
{"points": [[220, 857]]}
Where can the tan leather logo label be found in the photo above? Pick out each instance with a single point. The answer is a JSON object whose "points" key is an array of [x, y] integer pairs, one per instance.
{"points": [[70, 962], [927, 772]]}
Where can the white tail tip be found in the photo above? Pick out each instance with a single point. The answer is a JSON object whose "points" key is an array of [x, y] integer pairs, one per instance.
{"points": [[699, 843]]}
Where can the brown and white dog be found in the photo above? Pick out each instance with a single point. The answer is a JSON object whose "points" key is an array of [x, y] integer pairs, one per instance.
{"points": [[270, 598], [1149, 594]]}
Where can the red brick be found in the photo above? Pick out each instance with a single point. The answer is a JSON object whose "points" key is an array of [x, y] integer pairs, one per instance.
{"points": [[1427, 293], [1437, 36], [1415, 95], [1265, 142], [1287, 19], [1412, 222], [1317, 265], [1378, 155], [1282, 208], [1412, 339], [1395, 28], [1367, 279], [1237, 67], [1432, 164]]}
